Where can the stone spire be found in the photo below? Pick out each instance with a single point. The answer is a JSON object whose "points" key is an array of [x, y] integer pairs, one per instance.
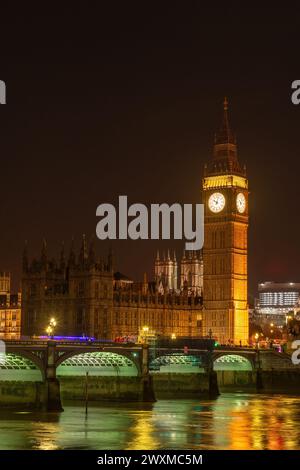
{"points": [[62, 261], [25, 257], [225, 135], [72, 257], [111, 261], [83, 251], [44, 253], [92, 256], [225, 158]]}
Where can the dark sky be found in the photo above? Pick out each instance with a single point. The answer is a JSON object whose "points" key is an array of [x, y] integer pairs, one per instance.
{"points": [[126, 100]]}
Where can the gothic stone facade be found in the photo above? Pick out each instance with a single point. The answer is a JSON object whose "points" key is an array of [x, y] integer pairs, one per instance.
{"points": [[10, 309], [83, 297], [165, 314], [191, 273], [76, 292]]}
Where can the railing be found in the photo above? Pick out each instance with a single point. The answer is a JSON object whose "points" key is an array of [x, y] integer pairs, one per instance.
{"points": [[81, 343]]}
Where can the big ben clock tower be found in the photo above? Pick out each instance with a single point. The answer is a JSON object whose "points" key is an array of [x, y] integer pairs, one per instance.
{"points": [[225, 199]]}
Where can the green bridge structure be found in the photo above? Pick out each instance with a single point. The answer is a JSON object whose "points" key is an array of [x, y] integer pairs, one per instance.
{"points": [[41, 371]]}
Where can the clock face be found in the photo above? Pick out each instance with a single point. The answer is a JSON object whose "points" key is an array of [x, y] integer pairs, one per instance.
{"points": [[241, 203], [216, 202]]}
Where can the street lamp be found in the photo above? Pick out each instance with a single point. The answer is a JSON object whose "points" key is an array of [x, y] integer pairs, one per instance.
{"points": [[145, 331], [49, 330], [173, 336], [51, 326], [256, 339]]}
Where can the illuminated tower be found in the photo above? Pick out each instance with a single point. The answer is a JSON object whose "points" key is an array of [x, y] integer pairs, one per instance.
{"points": [[225, 198], [165, 271], [191, 272]]}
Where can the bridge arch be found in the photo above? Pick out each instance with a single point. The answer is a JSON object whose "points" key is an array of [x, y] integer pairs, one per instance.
{"points": [[97, 363], [233, 362], [20, 366], [180, 363]]}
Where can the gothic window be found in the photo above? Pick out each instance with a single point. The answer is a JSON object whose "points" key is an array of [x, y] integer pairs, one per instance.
{"points": [[105, 291], [222, 239], [105, 316], [97, 290], [80, 289], [32, 291], [214, 266], [214, 239], [79, 317], [96, 316]]}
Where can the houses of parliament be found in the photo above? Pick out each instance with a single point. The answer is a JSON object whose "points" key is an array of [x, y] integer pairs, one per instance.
{"points": [[202, 294]]}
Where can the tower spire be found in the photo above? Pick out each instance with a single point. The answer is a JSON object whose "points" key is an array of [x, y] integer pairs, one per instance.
{"points": [[225, 157], [225, 135], [83, 251], [62, 256], [44, 253], [25, 256], [92, 256], [72, 258]]}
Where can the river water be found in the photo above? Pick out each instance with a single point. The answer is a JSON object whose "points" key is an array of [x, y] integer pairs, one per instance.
{"points": [[232, 421]]}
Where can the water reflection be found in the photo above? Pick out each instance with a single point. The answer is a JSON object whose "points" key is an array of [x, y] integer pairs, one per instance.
{"points": [[233, 421]]}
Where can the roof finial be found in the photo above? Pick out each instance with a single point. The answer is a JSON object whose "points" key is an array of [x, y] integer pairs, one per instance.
{"points": [[225, 135], [225, 103]]}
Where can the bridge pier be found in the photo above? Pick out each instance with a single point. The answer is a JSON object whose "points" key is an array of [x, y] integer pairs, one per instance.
{"points": [[52, 400], [148, 394], [259, 381], [213, 387]]}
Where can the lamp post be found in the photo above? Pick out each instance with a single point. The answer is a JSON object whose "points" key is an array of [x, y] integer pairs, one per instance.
{"points": [[287, 318], [256, 339], [50, 328], [145, 331], [49, 331]]}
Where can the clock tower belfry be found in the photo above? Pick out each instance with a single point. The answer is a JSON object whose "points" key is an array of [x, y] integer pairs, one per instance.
{"points": [[225, 199]]}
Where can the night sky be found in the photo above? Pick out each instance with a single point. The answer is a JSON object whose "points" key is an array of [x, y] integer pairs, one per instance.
{"points": [[126, 100]]}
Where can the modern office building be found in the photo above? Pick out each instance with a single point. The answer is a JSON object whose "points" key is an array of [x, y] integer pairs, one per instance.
{"points": [[278, 298], [276, 302]]}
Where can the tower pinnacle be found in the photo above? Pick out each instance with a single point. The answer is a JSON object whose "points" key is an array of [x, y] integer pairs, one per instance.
{"points": [[225, 103], [225, 135], [225, 157]]}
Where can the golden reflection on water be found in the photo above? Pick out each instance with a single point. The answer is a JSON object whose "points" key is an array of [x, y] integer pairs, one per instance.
{"points": [[44, 436], [143, 433], [232, 421], [264, 423]]}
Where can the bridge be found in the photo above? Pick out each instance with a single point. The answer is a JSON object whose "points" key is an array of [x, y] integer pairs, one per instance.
{"points": [[125, 369], [45, 361]]}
